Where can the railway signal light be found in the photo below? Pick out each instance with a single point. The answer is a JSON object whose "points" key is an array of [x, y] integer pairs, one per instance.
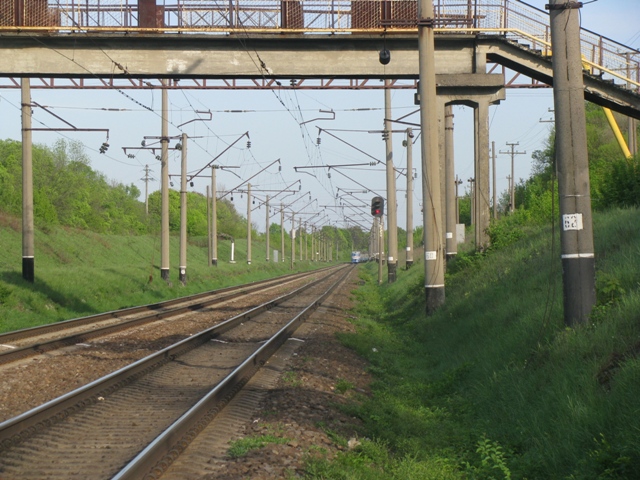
{"points": [[377, 206]]}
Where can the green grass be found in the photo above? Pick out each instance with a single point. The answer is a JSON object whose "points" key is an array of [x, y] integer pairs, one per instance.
{"points": [[493, 385], [241, 447], [80, 273]]}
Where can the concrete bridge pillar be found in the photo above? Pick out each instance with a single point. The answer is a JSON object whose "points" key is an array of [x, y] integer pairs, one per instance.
{"points": [[481, 173], [478, 97]]}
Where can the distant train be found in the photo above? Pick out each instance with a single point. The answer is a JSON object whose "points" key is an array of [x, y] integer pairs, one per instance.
{"points": [[357, 257]]}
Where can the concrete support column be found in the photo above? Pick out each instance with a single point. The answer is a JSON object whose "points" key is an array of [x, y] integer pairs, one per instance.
{"points": [[450, 184], [481, 174], [392, 208], [164, 185], [633, 136], [282, 232], [576, 235], [266, 203], [214, 218], [432, 210], [409, 141], [293, 240], [28, 230], [182, 267], [209, 226], [248, 224]]}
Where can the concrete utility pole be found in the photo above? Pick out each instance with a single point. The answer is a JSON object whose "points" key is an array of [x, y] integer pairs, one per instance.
{"points": [[182, 268], [266, 203], [458, 183], [214, 218], [28, 232], [313, 241], [472, 198], [495, 188], [409, 141], [300, 233], [512, 189], [146, 180], [209, 226], [451, 241], [282, 230], [380, 232], [306, 242], [431, 199], [293, 240], [632, 122], [248, 224], [576, 236], [164, 186], [392, 209]]}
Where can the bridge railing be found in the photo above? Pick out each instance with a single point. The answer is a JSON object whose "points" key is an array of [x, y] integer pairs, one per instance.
{"points": [[512, 19]]}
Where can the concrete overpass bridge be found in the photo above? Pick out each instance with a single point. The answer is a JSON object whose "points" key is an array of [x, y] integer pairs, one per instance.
{"points": [[306, 44]]}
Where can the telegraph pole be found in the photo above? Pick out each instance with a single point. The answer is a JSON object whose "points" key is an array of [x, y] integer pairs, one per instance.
{"points": [[282, 230], [28, 243], [293, 240], [432, 202], [576, 236], [451, 242], [214, 218], [209, 226], [164, 162], [267, 226], [248, 224], [472, 198], [300, 233], [495, 188], [512, 190], [182, 268], [392, 210], [632, 122], [409, 141], [458, 183]]}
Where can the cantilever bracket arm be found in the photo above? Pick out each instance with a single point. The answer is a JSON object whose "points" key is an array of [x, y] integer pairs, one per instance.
{"points": [[200, 119], [333, 116]]}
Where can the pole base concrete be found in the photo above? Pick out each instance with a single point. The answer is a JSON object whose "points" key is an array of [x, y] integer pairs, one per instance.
{"points": [[28, 269], [391, 272], [164, 274], [182, 276], [434, 299], [214, 262], [408, 264], [578, 278]]}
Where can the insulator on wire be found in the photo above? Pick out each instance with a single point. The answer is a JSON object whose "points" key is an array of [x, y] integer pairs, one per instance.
{"points": [[248, 143], [319, 141], [191, 183]]}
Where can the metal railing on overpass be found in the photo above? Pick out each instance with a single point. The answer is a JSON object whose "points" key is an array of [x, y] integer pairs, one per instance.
{"points": [[510, 19]]}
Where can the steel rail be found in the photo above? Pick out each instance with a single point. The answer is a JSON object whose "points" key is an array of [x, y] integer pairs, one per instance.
{"points": [[159, 454], [73, 339], [18, 428], [75, 322]]}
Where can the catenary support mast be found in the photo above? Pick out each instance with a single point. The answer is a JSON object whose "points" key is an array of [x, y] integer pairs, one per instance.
{"points": [[576, 235]]}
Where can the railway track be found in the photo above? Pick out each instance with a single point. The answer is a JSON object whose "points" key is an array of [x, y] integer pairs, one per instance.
{"points": [[161, 401], [37, 340]]}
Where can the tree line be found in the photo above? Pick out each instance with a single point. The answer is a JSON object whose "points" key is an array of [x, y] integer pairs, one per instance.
{"points": [[68, 192]]}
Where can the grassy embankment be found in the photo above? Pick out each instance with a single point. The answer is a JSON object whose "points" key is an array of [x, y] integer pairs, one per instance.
{"points": [[81, 273], [494, 385]]}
